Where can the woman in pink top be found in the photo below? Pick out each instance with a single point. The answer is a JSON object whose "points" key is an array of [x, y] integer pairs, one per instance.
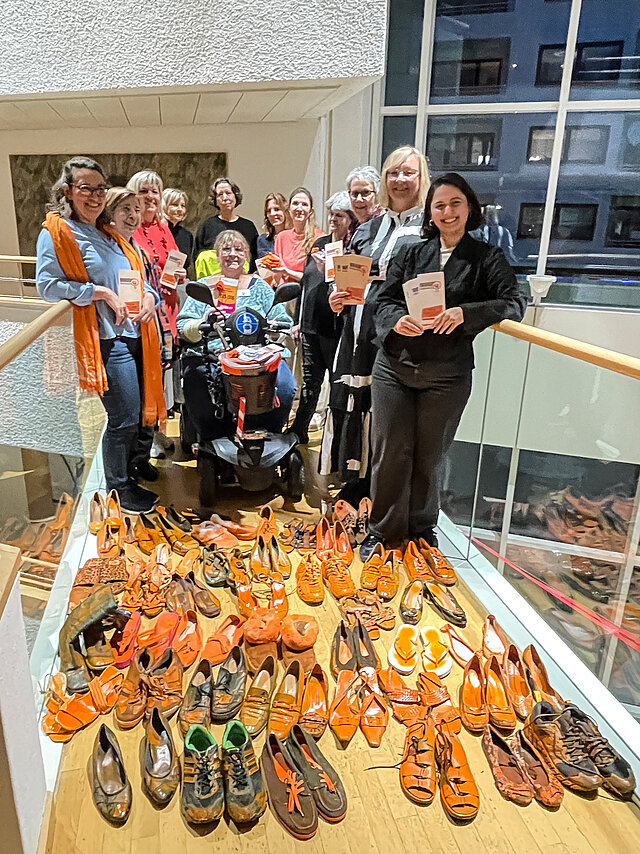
{"points": [[154, 235], [294, 244]]}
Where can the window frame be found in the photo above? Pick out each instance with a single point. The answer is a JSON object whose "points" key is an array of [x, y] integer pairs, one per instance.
{"points": [[570, 129], [609, 239], [470, 135], [524, 206]]}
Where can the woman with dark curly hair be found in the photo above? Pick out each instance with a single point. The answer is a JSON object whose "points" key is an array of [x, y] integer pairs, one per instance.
{"points": [[225, 195], [421, 378]]}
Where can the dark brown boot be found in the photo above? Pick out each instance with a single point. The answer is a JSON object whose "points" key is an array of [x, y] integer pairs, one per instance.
{"points": [[96, 606]]}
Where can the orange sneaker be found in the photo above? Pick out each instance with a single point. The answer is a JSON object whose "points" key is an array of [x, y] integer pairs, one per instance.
{"points": [[371, 570], [337, 578], [416, 563], [309, 585], [440, 567]]}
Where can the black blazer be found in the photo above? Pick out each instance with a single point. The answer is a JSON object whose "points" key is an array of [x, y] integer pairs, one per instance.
{"points": [[316, 317], [477, 278]]}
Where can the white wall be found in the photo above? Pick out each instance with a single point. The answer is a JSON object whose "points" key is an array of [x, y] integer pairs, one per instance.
{"points": [[64, 46]]}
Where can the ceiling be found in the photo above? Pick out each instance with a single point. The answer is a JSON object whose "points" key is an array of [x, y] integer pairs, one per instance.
{"points": [[247, 103]]}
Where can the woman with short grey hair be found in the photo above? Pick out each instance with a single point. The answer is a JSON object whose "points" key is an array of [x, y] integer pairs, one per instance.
{"points": [[363, 186]]}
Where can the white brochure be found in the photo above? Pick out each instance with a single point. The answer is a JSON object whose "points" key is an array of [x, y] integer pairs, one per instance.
{"points": [[130, 290], [330, 252], [425, 297], [175, 261]]}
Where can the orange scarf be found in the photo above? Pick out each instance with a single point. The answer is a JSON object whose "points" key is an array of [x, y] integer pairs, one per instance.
{"points": [[91, 373]]}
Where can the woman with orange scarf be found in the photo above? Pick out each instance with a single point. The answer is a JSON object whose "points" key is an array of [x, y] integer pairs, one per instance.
{"points": [[117, 354]]}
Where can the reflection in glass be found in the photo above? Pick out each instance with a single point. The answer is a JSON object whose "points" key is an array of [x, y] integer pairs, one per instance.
{"points": [[483, 50], [505, 157], [403, 52], [396, 131]]}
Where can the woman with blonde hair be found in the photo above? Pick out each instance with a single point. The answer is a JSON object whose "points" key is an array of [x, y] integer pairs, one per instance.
{"points": [[276, 219], [294, 244], [174, 206], [346, 441]]}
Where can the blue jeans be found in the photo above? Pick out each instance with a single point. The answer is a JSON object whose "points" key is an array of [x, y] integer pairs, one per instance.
{"points": [[124, 442]]}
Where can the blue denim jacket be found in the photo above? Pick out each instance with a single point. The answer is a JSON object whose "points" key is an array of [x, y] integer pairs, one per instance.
{"points": [[102, 259]]}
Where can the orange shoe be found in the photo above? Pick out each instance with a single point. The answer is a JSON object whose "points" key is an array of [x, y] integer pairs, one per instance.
{"points": [[501, 713], [440, 567], [314, 716], [191, 562], [124, 643], [403, 654], [341, 546], [416, 563], [242, 532], [374, 716], [493, 640], [227, 635], [435, 654], [324, 538], [278, 601], [287, 701], [278, 559], [371, 570], [260, 562], [160, 637], [187, 641], [82, 709], [212, 534], [337, 578], [112, 506], [110, 538], [473, 705], [97, 512], [344, 713], [267, 524], [389, 578], [247, 602], [309, 585]]}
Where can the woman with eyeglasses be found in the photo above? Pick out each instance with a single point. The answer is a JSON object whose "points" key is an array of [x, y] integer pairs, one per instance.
{"points": [[363, 186], [345, 444], [422, 377], [225, 195], [232, 250], [80, 256], [174, 204]]}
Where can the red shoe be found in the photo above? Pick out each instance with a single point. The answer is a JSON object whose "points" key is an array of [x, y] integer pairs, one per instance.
{"points": [[159, 638], [124, 643]]}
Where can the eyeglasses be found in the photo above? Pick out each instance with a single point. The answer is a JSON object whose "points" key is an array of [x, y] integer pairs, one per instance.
{"points": [[365, 194], [86, 190], [396, 173], [237, 249]]}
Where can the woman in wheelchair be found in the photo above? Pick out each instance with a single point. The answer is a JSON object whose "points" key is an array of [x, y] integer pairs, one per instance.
{"points": [[211, 421]]}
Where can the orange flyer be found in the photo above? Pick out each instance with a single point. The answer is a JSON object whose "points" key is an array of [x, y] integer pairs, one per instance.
{"points": [[352, 276], [130, 290], [226, 291]]}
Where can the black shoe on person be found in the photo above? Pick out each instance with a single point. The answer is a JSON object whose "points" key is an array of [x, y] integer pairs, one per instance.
{"points": [[430, 536], [145, 471], [136, 499], [368, 545]]}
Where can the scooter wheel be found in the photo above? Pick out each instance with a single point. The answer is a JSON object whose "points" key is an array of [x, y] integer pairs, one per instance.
{"points": [[295, 476], [208, 481]]}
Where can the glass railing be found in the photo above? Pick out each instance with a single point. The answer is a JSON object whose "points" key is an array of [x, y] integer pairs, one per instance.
{"points": [[544, 478], [49, 433]]}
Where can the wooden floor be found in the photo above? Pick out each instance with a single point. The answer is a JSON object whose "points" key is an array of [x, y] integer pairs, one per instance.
{"points": [[379, 818]]}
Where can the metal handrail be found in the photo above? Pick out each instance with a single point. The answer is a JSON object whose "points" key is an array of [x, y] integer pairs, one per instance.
{"points": [[600, 356], [19, 342]]}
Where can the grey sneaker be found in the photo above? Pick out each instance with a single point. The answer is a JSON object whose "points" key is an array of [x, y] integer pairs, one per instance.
{"points": [[244, 788], [202, 796]]}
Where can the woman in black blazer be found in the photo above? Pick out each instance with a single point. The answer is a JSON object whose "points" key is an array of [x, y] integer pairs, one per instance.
{"points": [[422, 379]]}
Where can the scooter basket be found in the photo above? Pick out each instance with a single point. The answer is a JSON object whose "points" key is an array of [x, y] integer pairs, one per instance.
{"points": [[250, 373]]}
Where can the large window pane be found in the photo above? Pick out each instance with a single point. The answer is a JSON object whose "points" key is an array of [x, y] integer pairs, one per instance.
{"points": [[596, 229], [607, 62], [505, 158], [403, 52], [396, 131], [483, 50]]}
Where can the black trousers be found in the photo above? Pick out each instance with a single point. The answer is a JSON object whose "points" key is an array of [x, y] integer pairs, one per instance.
{"points": [[414, 421], [318, 353]]}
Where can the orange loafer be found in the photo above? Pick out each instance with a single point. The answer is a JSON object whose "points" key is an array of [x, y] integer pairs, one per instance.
{"points": [[371, 570], [227, 635], [159, 638], [187, 640], [314, 715]]}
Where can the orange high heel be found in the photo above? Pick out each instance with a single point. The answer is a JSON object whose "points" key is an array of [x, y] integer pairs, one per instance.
{"points": [[110, 538], [278, 601], [344, 713], [374, 716]]}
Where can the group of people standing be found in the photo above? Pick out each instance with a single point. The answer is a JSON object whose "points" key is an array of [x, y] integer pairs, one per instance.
{"points": [[397, 391]]}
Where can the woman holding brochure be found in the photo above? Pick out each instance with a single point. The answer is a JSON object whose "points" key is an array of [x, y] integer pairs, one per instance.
{"points": [[345, 444], [318, 325], [422, 372], [232, 250], [83, 258], [294, 244]]}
